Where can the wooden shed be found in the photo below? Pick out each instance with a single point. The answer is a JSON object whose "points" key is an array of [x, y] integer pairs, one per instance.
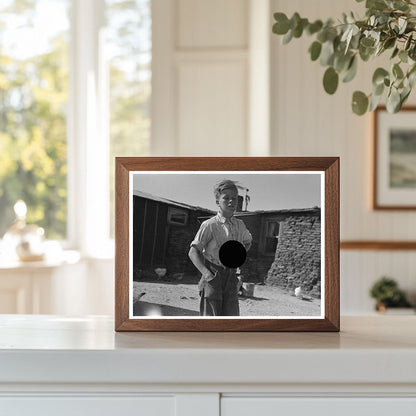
{"points": [[162, 233]]}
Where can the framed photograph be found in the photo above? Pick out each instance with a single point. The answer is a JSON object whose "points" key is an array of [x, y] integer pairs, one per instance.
{"points": [[227, 244], [394, 180]]}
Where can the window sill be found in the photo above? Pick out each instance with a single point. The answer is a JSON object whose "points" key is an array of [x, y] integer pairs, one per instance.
{"points": [[50, 261]]}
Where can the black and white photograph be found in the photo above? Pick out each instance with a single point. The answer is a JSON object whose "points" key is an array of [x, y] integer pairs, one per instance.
{"points": [[403, 158], [394, 178], [226, 244]]}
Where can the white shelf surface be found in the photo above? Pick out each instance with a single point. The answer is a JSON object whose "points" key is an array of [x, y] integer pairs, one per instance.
{"points": [[53, 349]]}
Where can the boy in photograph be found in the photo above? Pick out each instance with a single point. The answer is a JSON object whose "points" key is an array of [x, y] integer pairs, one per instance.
{"points": [[218, 284]]}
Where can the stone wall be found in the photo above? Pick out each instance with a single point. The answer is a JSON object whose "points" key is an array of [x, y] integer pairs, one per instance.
{"points": [[298, 254]]}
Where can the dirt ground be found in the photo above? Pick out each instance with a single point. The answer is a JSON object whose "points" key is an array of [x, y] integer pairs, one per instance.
{"points": [[182, 299]]}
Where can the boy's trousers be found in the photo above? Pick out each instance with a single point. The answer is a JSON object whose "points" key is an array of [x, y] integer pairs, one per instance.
{"points": [[219, 296]]}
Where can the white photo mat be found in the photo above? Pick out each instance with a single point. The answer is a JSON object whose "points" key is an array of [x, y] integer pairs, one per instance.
{"points": [[388, 194]]}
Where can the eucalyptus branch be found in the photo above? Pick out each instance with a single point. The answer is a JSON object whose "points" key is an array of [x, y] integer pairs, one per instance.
{"points": [[388, 26]]}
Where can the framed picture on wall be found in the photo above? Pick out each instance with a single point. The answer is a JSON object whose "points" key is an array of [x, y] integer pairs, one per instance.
{"points": [[394, 178], [227, 244]]}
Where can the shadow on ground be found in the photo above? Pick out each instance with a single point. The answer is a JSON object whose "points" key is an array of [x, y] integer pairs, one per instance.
{"points": [[153, 309], [251, 298], [187, 280]]}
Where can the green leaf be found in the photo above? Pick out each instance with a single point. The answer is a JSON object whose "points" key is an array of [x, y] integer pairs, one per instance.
{"points": [[355, 41], [366, 48], [412, 52], [332, 33], [394, 26], [389, 43], [315, 50], [342, 62], [376, 4], [327, 53], [393, 101], [380, 49], [359, 103], [382, 19], [412, 70], [365, 53], [348, 34], [288, 37], [374, 101], [395, 53], [400, 5], [351, 18], [330, 80], [337, 42], [397, 71], [379, 75], [408, 42], [403, 56], [281, 26], [402, 24], [404, 95], [411, 76], [375, 34], [314, 27], [400, 85], [367, 42], [298, 30], [322, 36], [351, 71], [294, 20], [378, 89]]}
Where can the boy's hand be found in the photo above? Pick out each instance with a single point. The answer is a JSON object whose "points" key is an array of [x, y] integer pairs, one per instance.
{"points": [[208, 276]]}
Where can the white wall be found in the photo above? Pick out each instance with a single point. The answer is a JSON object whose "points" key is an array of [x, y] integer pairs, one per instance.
{"points": [[200, 77]]}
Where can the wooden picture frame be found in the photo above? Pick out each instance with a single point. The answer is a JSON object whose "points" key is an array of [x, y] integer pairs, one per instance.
{"points": [[394, 158], [131, 225]]}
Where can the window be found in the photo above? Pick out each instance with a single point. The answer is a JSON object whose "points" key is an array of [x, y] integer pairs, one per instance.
{"points": [[177, 216], [33, 103], [75, 86], [271, 236]]}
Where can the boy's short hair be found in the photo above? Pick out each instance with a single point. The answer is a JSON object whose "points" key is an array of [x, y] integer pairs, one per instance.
{"points": [[222, 186]]}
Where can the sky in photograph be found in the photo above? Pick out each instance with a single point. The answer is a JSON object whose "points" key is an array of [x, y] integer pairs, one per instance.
{"points": [[267, 191]]}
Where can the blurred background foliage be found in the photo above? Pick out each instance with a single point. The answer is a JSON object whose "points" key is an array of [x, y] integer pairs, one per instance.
{"points": [[33, 97]]}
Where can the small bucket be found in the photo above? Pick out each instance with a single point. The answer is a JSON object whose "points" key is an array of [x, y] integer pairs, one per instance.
{"points": [[249, 288]]}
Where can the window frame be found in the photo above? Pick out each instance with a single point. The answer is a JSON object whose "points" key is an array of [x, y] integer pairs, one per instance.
{"points": [[264, 237], [87, 133], [173, 211]]}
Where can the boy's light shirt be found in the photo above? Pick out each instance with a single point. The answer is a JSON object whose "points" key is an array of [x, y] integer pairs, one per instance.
{"points": [[215, 231]]}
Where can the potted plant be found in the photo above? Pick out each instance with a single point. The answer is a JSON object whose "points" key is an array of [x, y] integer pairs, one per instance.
{"points": [[387, 294], [389, 27]]}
